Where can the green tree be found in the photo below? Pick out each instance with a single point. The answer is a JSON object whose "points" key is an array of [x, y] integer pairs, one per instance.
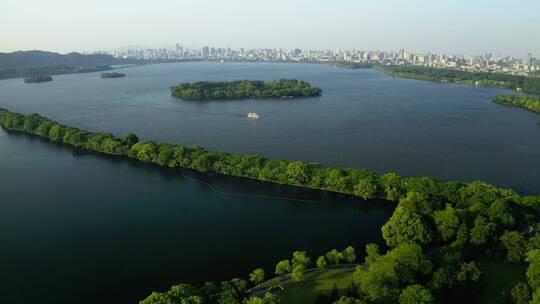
{"points": [[443, 278], [348, 300], [349, 254], [321, 262], [297, 274], [283, 267], [533, 273], [145, 151], [415, 201], [391, 183], [56, 133], [182, 293], [469, 274], [296, 171], [130, 139], [410, 262], [405, 226], [232, 291], [165, 154], [482, 231], [384, 275], [520, 294], [500, 212], [515, 246], [366, 188], [415, 294], [269, 298], [257, 276], [372, 253], [447, 222], [334, 257], [534, 242], [300, 258]]}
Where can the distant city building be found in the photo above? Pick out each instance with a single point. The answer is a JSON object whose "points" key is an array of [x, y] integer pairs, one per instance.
{"points": [[205, 51], [528, 61]]}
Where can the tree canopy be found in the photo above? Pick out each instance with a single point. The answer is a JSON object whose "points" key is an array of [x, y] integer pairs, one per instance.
{"points": [[243, 89]]}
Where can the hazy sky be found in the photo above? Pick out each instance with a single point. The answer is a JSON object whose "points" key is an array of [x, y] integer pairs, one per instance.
{"points": [[507, 27]]}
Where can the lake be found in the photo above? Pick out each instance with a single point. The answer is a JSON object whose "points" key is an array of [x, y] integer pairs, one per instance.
{"points": [[81, 227]]}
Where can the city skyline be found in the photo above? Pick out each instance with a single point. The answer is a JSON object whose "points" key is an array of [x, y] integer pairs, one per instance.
{"points": [[458, 27], [473, 63], [201, 49]]}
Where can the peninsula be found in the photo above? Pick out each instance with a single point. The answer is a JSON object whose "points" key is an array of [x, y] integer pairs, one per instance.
{"points": [[527, 84], [441, 234], [244, 89], [525, 102]]}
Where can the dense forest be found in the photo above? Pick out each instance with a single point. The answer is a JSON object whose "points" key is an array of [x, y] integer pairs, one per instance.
{"points": [[495, 80], [242, 89], [526, 102], [438, 237]]}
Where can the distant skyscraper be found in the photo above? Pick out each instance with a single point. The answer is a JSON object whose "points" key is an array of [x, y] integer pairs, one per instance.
{"points": [[205, 51], [408, 56], [179, 50], [528, 60]]}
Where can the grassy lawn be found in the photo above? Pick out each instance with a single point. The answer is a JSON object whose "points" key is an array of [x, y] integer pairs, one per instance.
{"points": [[499, 277], [307, 291]]}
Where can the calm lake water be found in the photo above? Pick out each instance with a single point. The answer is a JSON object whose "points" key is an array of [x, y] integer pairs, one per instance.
{"points": [[79, 227]]}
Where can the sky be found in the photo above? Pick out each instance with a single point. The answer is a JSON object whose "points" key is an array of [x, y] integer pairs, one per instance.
{"points": [[506, 27]]}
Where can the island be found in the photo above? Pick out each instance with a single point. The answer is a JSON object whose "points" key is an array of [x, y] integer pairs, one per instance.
{"points": [[526, 102], [112, 75], [446, 241], [527, 84], [244, 89], [37, 78]]}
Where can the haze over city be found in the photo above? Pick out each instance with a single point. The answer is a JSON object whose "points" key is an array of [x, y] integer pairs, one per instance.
{"points": [[500, 27]]}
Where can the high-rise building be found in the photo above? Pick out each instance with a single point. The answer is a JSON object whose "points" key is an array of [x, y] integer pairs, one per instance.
{"points": [[408, 56], [205, 51], [528, 60]]}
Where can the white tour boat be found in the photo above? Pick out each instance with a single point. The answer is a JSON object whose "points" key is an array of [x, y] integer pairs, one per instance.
{"points": [[253, 115]]}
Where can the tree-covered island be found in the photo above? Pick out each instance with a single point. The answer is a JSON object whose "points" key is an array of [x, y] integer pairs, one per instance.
{"points": [[446, 242], [112, 75], [37, 78], [526, 102], [244, 89]]}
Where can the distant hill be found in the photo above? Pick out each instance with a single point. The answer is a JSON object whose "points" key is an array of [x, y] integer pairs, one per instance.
{"points": [[36, 59], [33, 63]]}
